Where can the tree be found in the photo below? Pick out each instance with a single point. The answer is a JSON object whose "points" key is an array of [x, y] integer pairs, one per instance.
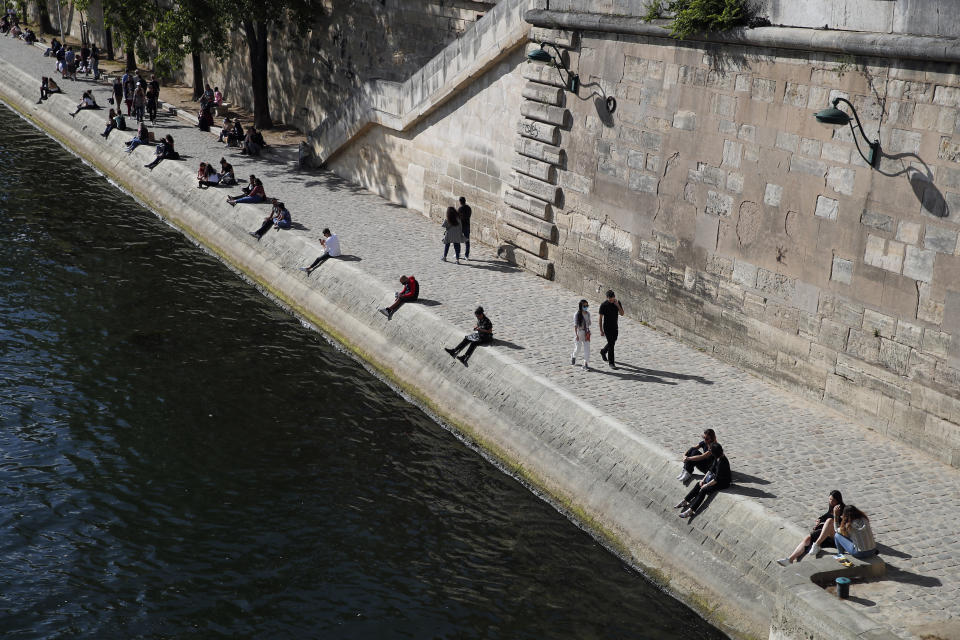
{"points": [[256, 18], [131, 20], [194, 27]]}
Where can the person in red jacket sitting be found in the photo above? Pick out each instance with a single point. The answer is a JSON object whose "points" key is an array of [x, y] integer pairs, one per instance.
{"points": [[409, 293]]}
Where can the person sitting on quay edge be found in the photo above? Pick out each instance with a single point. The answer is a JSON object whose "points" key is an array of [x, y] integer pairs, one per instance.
{"points": [[206, 176], [205, 117], [29, 36], [279, 218], [331, 249], [822, 533], [698, 456], [482, 334], [142, 137], [217, 97], [854, 535], [164, 151], [227, 177], [111, 124], [47, 87], [718, 478], [86, 102], [409, 293], [255, 196]]}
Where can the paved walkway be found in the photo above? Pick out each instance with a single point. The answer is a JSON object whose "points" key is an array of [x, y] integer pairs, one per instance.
{"points": [[791, 451]]}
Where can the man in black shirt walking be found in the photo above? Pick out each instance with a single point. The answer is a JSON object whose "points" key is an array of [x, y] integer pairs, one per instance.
{"points": [[465, 212], [609, 311]]}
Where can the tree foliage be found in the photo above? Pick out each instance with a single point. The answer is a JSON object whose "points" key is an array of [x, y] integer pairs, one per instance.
{"points": [[191, 27], [132, 21], [694, 16], [255, 20]]}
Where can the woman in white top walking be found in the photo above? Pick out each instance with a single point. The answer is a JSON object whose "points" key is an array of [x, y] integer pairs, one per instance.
{"points": [[581, 332]]}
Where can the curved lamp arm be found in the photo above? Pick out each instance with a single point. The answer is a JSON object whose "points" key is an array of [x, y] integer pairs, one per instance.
{"points": [[874, 158], [572, 81]]}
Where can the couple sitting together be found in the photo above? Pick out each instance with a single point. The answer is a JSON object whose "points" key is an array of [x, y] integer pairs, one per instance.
{"points": [[852, 535]]}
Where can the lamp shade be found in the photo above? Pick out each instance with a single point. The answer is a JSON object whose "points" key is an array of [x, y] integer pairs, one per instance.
{"points": [[832, 116], [539, 55]]}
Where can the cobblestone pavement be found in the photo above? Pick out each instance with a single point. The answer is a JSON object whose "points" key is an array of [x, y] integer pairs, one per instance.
{"points": [[790, 451]]}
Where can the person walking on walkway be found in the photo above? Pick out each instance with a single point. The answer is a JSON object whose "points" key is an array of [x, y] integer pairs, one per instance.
{"points": [[331, 249], [482, 334], [453, 233], [698, 456], [581, 334], [409, 293], [719, 477], [822, 533], [464, 211], [610, 311]]}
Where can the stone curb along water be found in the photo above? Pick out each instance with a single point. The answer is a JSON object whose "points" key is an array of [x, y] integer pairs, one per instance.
{"points": [[616, 483]]}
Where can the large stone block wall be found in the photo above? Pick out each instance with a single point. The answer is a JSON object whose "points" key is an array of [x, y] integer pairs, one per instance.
{"points": [[464, 148], [715, 201]]}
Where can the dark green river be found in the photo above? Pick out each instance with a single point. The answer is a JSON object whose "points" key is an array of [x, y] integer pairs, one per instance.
{"points": [[180, 458]]}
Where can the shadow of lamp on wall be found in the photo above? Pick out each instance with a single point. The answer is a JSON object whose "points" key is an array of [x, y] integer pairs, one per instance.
{"points": [[572, 82], [833, 115]]}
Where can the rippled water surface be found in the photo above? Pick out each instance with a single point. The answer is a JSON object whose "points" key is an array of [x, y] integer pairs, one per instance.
{"points": [[181, 458]]}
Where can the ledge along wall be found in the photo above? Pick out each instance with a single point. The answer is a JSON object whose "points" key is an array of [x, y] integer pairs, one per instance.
{"points": [[618, 484], [748, 229], [711, 196]]}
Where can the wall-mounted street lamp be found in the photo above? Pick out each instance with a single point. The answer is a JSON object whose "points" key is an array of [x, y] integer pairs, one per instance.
{"points": [[833, 115], [542, 55]]}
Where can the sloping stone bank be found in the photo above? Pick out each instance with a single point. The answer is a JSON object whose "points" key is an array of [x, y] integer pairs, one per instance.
{"points": [[618, 484]]}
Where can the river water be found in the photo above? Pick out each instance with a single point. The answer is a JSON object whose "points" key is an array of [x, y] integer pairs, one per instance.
{"points": [[181, 458]]}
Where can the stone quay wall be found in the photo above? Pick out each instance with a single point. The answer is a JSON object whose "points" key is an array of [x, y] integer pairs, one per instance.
{"points": [[756, 233], [602, 473], [713, 196]]}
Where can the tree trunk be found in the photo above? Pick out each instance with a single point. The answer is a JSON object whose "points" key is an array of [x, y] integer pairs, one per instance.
{"points": [[256, 33], [131, 56], [197, 70], [45, 23], [109, 43]]}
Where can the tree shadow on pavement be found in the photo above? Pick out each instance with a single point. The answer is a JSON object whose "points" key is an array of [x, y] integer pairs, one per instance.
{"points": [[664, 374]]}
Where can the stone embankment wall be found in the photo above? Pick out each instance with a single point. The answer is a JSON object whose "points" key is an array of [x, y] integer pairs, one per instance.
{"points": [[751, 230], [713, 197], [618, 483]]}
